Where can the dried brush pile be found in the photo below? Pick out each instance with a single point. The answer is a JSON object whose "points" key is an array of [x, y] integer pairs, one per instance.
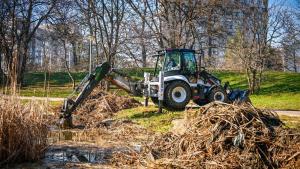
{"points": [[228, 136], [23, 133], [101, 105]]}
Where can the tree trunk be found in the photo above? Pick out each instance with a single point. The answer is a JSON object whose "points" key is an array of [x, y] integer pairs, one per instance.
{"points": [[253, 81], [16, 67], [45, 82], [248, 72], [74, 50], [67, 66], [46, 72], [142, 36], [23, 68], [294, 61], [1, 71], [259, 80], [144, 55], [14, 72]]}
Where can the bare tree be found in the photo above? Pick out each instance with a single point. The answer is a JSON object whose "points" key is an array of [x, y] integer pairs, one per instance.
{"points": [[187, 24], [19, 19], [65, 31], [291, 40], [108, 17], [259, 29], [171, 22]]}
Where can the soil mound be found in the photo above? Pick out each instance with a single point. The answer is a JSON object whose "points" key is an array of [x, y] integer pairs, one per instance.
{"points": [[99, 106], [222, 135]]}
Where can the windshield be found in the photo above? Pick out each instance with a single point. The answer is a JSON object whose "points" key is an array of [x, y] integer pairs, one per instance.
{"points": [[189, 62], [172, 61]]}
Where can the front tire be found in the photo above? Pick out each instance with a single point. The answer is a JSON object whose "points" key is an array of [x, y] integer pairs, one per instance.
{"points": [[177, 95], [218, 94]]}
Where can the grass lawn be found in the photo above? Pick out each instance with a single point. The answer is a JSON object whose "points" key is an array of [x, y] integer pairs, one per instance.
{"points": [[291, 121], [149, 118], [279, 90], [60, 84]]}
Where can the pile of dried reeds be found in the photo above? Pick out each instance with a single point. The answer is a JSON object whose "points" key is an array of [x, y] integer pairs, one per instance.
{"points": [[101, 105], [228, 136], [23, 133]]}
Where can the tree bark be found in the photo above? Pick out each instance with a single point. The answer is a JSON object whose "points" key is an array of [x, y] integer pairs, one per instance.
{"points": [[74, 51], [1, 71], [17, 66], [67, 66], [144, 55]]}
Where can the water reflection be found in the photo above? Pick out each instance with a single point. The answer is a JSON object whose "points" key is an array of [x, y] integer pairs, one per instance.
{"points": [[55, 136], [77, 147], [72, 154]]}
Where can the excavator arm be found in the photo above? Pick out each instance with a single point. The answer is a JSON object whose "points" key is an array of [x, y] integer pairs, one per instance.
{"points": [[89, 83]]}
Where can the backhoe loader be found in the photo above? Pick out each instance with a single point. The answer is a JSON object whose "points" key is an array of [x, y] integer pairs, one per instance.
{"points": [[177, 79]]}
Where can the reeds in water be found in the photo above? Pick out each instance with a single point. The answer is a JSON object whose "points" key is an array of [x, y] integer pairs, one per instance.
{"points": [[23, 132]]}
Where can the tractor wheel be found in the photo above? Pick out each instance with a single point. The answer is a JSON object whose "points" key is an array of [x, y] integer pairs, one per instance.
{"points": [[154, 100], [218, 94], [177, 95]]}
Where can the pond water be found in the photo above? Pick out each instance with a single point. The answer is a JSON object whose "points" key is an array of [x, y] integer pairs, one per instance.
{"points": [[73, 148]]}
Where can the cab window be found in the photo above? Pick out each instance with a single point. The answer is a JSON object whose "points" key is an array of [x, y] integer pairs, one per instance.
{"points": [[189, 62], [172, 61]]}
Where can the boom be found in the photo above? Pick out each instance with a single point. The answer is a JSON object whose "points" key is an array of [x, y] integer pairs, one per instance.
{"points": [[88, 84]]}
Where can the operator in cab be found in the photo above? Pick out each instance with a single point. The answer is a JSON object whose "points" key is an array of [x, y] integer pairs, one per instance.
{"points": [[171, 64]]}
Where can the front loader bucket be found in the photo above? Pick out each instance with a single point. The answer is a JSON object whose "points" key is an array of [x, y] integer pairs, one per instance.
{"points": [[240, 96]]}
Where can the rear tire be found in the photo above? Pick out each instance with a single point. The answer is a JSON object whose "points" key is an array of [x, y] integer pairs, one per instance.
{"points": [[177, 95], [218, 94]]}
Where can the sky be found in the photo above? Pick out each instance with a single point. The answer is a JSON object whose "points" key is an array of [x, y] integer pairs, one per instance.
{"points": [[288, 3]]}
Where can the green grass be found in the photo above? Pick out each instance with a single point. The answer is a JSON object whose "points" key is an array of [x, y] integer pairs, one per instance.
{"points": [[277, 101], [279, 90], [149, 118], [56, 78], [137, 73], [291, 121], [60, 84]]}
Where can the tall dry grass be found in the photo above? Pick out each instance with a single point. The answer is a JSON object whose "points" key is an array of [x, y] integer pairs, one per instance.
{"points": [[23, 132]]}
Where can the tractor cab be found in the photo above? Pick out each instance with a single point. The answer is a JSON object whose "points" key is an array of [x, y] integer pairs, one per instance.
{"points": [[177, 62]]}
